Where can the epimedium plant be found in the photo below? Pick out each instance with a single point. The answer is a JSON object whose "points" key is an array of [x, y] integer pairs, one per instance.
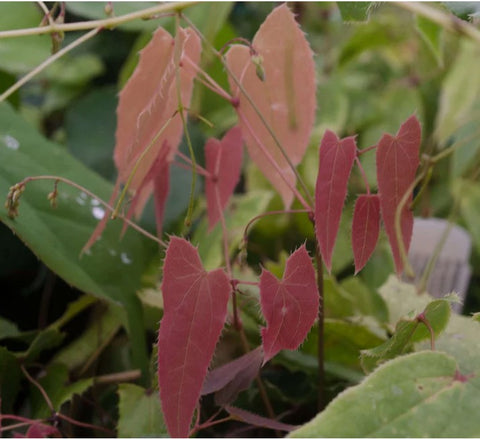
{"points": [[272, 89]]}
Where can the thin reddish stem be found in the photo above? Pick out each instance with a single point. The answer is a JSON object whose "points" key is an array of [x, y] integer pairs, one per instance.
{"points": [[39, 387], [198, 168], [363, 174], [363, 151], [83, 424], [208, 81]]}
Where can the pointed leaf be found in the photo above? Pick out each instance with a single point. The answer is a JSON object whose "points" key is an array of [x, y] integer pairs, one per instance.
{"points": [[290, 306], [336, 162], [365, 229], [231, 378], [259, 421], [397, 162], [285, 97], [420, 394], [223, 161], [195, 309]]}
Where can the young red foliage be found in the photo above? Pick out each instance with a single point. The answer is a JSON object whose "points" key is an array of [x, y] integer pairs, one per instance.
{"points": [[150, 98], [146, 103], [259, 421], [223, 161], [39, 429], [286, 96], [336, 162], [290, 306], [159, 177], [231, 378], [195, 309], [397, 162], [365, 229]]}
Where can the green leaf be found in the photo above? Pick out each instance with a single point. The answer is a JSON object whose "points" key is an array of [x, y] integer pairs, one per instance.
{"points": [[459, 93], [113, 268], [432, 34], [10, 376], [22, 54], [407, 332], [468, 194], [47, 339], [90, 124], [59, 389], [103, 326], [140, 414], [8, 329], [355, 11], [417, 395]]}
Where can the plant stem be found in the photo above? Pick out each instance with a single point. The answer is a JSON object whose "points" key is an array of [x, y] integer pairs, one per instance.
{"points": [[105, 23], [47, 62], [91, 194], [130, 375], [320, 331], [448, 21]]}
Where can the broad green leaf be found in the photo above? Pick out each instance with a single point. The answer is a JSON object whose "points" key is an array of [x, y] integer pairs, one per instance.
{"points": [[103, 326], [140, 414], [112, 269], [90, 125], [407, 332], [465, 157], [59, 389], [468, 194], [432, 34], [459, 93], [47, 339], [8, 329], [22, 54], [417, 395], [74, 70], [355, 11], [10, 376]]}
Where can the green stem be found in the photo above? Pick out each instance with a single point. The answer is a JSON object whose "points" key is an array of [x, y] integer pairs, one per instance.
{"points": [[105, 23], [47, 62], [447, 21]]}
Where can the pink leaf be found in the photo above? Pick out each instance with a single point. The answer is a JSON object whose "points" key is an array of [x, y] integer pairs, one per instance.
{"points": [[195, 309], [223, 161], [158, 176], [290, 306], [365, 229], [259, 421], [39, 429], [149, 100], [397, 163], [146, 104], [336, 161], [286, 96], [231, 378]]}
